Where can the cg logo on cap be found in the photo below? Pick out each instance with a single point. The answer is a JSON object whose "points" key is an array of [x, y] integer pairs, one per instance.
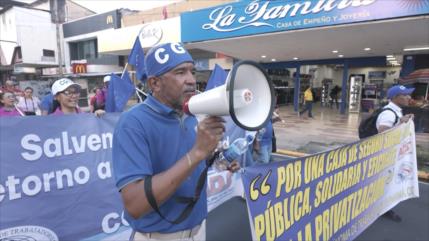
{"points": [[163, 58], [65, 81]]}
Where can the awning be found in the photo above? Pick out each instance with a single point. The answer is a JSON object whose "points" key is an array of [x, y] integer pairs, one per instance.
{"points": [[120, 41], [418, 76], [69, 75]]}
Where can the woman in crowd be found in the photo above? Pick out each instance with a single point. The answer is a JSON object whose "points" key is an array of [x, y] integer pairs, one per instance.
{"points": [[7, 105], [98, 101], [66, 93], [29, 103]]}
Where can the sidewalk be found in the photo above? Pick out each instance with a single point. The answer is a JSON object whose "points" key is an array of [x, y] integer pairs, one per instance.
{"points": [[328, 129]]}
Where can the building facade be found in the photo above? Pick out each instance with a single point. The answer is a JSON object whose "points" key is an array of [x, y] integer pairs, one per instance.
{"points": [[28, 42]]}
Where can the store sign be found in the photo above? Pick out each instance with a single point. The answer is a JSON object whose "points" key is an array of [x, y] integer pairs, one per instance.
{"points": [[53, 71], [150, 35], [24, 70], [78, 68], [201, 64], [92, 24], [239, 18], [377, 74], [109, 19]]}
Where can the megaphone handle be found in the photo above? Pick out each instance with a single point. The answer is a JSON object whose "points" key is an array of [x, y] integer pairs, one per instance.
{"points": [[210, 159]]}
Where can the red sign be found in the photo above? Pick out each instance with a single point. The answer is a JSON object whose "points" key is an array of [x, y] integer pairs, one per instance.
{"points": [[78, 68]]}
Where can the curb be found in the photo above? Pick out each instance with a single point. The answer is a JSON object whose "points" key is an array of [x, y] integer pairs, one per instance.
{"points": [[291, 153]]}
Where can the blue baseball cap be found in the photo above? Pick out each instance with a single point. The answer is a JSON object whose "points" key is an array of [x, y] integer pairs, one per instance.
{"points": [[162, 58], [398, 90]]}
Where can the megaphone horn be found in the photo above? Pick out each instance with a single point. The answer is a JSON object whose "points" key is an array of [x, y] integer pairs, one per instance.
{"points": [[247, 96]]}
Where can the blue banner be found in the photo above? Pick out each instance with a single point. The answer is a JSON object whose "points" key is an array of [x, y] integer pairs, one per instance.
{"points": [[56, 179], [256, 17], [56, 183], [333, 195]]}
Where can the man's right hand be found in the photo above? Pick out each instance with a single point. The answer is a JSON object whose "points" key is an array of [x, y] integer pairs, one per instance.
{"points": [[209, 132]]}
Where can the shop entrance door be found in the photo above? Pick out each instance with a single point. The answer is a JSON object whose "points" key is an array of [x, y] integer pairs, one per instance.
{"points": [[355, 92]]}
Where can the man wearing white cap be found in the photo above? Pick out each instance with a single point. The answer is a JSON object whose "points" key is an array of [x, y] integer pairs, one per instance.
{"points": [[106, 79], [399, 96], [105, 89]]}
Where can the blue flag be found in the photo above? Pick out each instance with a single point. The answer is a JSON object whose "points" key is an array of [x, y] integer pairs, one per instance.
{"points": [[136, 58], [217, 78], [119, 92]]}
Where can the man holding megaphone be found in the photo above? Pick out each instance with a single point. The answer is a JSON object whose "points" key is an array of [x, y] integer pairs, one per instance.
{"points": [[158, 152]]}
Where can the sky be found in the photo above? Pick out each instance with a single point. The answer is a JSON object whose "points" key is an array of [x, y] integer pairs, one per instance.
{"points": [[101, 6]]}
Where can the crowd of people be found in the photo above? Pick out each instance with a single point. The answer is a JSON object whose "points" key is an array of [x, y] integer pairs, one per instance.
{"points": [[62, 99], [163, 192]]}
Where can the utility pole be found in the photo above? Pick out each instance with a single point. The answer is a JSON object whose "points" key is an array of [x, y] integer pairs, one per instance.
{"points": [[57, 16]]}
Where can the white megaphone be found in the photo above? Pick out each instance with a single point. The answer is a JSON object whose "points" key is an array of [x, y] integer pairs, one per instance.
{"points": [[247, 96]]}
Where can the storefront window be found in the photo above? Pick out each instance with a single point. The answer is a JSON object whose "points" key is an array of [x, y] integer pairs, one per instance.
{"points": [[83, 50]]}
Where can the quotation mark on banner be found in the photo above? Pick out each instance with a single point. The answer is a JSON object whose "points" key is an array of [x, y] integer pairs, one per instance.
{"points": [[263, 189]]}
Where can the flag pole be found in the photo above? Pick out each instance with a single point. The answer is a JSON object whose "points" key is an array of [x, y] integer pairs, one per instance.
{"points": [[141, 91], [137, 90], [19, 111], [138, 96], [123, 71]]}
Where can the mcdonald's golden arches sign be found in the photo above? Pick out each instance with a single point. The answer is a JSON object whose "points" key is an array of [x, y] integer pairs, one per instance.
{"points": [[109, 19], [78, 68]]}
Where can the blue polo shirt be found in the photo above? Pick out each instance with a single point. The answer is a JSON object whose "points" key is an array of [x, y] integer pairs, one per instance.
{"points": [[148, 139], [47, 103]]}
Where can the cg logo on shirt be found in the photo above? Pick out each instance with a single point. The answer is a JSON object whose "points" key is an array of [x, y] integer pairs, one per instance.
{"points": [[28, 233], [161, 57]]}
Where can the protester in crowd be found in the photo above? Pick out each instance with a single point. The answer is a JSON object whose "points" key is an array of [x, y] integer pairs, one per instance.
{"points": [[399, 97], [11, 87], [159, 152], [419, 101], [265, 140], [275, 118], [7, 105], [106, 82], [48, 104], [66, 93], [28, 103], [98, 101], [308, 101], [334, 96]]}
